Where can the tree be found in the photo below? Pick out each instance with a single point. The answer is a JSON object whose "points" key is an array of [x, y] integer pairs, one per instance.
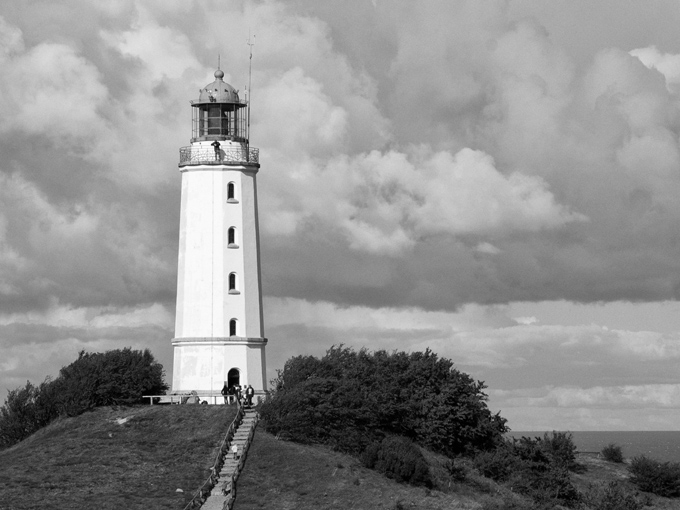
{"points": [[116, 377], [350, 399]]}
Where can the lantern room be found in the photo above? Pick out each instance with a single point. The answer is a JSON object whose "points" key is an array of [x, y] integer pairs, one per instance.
{"points": [[219, 114]]}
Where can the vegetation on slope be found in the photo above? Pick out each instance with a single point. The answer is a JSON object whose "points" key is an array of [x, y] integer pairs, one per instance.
{"points": [[115, 457], [115, 377], [388, 410], [292, 476], [349, 400]]}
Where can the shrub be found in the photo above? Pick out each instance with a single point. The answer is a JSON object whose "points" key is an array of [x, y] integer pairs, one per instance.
{"points": [[398, 458], [115, 377], [660, 478], [417, 395], [536, 468], [323, 410], [17, 416], [497, 464], [612, 496], [94, 379], [545, 484], [457, 472], [560, 447], [612, 452]]}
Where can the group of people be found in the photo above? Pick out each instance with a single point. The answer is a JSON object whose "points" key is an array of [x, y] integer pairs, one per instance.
{"points": [[243, 395]]}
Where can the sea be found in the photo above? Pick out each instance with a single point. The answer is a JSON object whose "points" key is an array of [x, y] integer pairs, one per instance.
{"points": [[663, 446]]}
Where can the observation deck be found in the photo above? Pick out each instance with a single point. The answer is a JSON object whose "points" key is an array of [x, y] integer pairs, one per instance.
{"points": [[197, 155]]}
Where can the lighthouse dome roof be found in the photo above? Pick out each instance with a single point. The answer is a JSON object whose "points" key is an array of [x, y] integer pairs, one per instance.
{"points": [[218, 91]]}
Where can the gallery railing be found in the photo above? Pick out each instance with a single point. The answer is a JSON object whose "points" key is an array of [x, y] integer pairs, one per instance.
{"points": [[224, 156]]}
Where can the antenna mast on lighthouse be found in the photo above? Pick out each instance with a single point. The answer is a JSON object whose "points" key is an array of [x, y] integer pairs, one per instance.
{"points": [[250, 74]]}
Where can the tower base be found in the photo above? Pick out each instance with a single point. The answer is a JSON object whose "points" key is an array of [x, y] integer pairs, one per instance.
{"points": [[204, 365]]}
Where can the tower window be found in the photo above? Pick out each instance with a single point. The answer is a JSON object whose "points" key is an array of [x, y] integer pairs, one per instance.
{"points": [[231, 238], [231, 193], [233, 327], [233, 284]]}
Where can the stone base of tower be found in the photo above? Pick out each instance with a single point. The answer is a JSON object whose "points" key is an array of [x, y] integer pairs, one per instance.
{"points": [[204, 365]]}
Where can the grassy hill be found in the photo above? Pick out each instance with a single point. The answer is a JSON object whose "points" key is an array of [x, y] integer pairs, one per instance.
{"points": [[290, 476], [113, 458], [137, 458], [287, 476]]}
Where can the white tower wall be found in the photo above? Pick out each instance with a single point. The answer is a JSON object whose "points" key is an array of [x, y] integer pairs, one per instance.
{"points": [[204, 349]]}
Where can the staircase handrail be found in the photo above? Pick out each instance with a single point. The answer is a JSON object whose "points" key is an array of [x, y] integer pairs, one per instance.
{"points": [[231, 497], [204, 491]]}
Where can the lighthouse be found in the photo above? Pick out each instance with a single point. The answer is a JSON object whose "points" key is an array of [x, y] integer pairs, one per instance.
{"points": [[219, 328]]}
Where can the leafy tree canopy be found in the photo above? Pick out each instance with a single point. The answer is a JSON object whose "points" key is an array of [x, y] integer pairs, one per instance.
{"points": [[350, 399], [115, 377]]}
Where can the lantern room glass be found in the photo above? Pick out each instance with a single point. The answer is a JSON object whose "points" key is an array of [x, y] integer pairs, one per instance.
{"points": [[219, 121]]}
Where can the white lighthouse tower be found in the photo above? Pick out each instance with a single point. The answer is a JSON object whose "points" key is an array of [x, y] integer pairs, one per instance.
{"points": [[219, 330]]}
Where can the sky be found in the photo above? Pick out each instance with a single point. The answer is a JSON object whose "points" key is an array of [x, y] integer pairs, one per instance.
{"points": [[497, 181]]}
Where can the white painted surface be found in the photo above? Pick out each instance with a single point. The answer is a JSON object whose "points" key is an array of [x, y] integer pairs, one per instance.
{"points": [[203, 351]]}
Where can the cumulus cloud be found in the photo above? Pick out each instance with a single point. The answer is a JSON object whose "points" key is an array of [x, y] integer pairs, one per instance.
{"points": [[620, 397], [50, 92], [387, 202], [667, 64], [493, 160], [489, 342], [495, 155], [599, 373]]}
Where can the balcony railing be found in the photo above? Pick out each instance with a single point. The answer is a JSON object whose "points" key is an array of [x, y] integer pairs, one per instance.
{"points": [[225, 156]]}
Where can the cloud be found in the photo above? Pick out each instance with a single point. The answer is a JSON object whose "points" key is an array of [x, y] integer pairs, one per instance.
{"points": [[488, 343], [667, 64], [37, 344], [620, 397], [495, 155], [411, 187], [50, 92], [542, 419], [387, 202]]}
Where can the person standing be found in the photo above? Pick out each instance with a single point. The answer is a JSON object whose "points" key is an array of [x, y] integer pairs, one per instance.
{"points": [[250, 393], [216, 146], [225, 392]]}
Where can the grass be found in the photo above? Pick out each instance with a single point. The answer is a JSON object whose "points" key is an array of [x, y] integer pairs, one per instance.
{"points": [[285, 475], [137, 457], [601, 471], [129, 457]]}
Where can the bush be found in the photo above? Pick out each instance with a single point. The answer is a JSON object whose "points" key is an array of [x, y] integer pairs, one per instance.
{"points": [[560, 447], [18, 416], [612, 496], [118, 377], [398, 458], [370, 396], [545, 484], [456, 472], [94, 379], [498, 464], [660, 478], [612, 452], [537, 468]]}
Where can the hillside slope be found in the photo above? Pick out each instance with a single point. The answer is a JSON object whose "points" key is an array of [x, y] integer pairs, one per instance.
{"points": [[286, 476], [129, 457], [137, 457], [290, 476]]}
